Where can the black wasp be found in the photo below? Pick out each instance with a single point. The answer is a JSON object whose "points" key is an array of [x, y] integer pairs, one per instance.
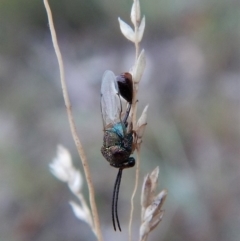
{"points": [[118, 135]]}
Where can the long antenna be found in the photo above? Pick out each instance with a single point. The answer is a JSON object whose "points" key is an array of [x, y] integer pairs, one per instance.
{"points": [[115, 199]]}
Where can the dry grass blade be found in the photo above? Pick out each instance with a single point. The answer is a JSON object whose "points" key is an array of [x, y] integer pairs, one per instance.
{"points": [[152, 212], [72, 124]]}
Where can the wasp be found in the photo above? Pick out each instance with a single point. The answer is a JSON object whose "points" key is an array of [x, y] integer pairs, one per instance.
{"points": [[118, 134]]}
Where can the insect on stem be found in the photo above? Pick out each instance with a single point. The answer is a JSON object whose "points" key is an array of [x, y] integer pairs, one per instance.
{"points": [[118, 138]]}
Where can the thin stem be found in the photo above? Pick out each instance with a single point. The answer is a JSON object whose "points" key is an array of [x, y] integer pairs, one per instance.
{"points": [[134, 107], [136, 33], [144, 238], [73, 126], [137, 49], [134, 121], [85, 208], [135, 85], [133, 194]]}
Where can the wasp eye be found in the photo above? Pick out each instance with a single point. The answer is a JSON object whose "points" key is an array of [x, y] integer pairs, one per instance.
{"points": [[125, 86]]}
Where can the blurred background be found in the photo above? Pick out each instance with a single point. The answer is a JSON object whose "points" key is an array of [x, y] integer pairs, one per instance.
{"points": [[192, 86]]}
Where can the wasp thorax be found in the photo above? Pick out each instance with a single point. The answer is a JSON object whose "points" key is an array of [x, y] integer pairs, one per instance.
{"points": [[117, 146]]}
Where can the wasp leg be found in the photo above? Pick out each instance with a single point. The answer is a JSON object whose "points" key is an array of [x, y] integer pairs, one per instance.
{"points": [[126, 115]]}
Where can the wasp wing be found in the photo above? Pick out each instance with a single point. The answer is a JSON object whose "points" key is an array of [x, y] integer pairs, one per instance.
{"points": [[110, 100]]}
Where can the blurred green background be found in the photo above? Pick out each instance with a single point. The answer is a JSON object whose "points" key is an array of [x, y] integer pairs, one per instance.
{"points": [[192, 86]]}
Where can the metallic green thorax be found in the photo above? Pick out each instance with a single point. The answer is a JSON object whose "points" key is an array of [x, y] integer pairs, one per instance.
{"points": [[117, 145]]}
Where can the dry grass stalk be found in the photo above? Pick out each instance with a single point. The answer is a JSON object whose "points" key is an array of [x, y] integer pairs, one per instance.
{"points": [[151, 204], [77, 141], [135, 35]]}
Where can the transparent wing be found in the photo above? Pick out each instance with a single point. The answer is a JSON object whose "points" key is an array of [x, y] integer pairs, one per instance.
{"points": [[110, 100]]}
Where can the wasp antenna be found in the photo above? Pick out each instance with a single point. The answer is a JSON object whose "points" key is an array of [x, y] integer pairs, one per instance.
{"points": [[113, 203], [116, 199], [113, 200]]}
